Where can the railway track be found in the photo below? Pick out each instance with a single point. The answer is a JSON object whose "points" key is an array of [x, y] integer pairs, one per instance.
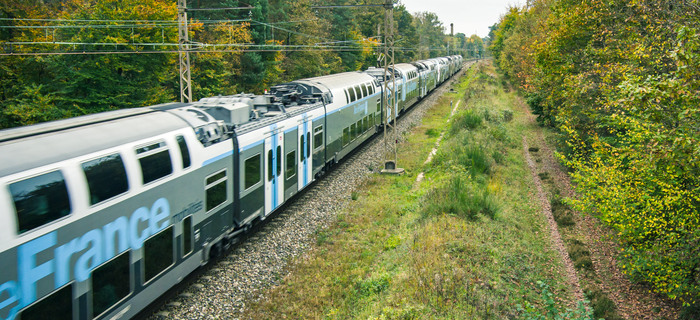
{"points": [[257, 259]]}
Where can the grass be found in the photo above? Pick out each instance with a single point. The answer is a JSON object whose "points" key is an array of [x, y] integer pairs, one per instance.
{"points": [[468, 242]]}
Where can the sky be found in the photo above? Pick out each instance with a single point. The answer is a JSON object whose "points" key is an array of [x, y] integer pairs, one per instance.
{"points": [[468, 16]]}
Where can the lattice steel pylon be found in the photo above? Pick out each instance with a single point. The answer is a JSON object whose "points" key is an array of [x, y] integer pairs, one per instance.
{"points": [[390, 99], [183, 50]]}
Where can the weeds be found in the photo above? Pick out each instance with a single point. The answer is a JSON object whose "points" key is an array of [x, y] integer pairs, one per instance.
{"points": [[462, 198], [432, 132], [603, 307], [560, 211], [530, 312], [579, 255], [468, 119]]}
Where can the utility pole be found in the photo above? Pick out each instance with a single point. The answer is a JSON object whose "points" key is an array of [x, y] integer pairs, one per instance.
{"points": [[390, 100], [452, 36], [184, 46], [183, 51]]}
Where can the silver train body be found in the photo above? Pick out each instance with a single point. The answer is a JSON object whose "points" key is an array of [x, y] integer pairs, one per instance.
{"points": [[104, 213]]}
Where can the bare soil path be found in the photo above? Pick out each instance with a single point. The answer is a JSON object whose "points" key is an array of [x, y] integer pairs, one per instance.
{"points": [[633, 300]]}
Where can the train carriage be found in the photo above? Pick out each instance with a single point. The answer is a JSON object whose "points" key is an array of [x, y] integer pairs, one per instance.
{"points": [[101, 211], [352, 114], [104, 213]]}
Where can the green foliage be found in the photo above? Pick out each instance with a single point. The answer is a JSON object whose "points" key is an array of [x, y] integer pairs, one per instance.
{"points": [[619, 81], [530, 312], [579, 255], [463, 198], [373, 285], [467, 119], [561, 212], [603, 307]]}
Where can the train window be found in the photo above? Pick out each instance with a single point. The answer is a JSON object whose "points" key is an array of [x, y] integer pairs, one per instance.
{"points": [[379, 105], [157, 254], [359, 127], [40, 200], [187, 235], [359, 93], [353, 132], [155, 161], [301, 149], [270, 174], [58, 305], [318, 137], [371, 121], [346, 136], [365, 124], [110, 283], [351, 91], [106, 178], [184, 151], [364, 90], [308, 145], [291, 169], [279, 160], [215, 190], [252, 171], [346, 95]]}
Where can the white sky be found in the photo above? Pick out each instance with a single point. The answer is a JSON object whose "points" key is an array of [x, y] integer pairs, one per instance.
{"points": [[468, 16]]}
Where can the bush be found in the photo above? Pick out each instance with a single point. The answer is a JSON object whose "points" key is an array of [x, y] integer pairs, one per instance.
{"points": [[530, 312], [463, 199], [603, 307], [507, 115], [468, 119], [561, 212], [473, 158], [580, 255]]}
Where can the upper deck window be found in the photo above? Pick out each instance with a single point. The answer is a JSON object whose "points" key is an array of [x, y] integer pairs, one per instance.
{"points": [[40, 200], [351, 91], [106, 178], [155, 161], [359, 93], [184, 151]]}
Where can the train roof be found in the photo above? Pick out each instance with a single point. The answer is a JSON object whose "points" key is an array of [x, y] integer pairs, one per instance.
{"points": [[34, 146], [405, 67], [340, 80]]}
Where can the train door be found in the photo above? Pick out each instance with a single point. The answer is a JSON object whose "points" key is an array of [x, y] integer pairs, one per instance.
{"points": [[305, 161], [274, 182]]}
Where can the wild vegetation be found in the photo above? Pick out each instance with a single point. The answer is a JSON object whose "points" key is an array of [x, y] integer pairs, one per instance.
{"points": [[64, 58], [619, 81]]}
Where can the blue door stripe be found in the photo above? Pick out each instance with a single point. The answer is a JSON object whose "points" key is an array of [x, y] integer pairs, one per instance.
{"points": [[274, 167], [306, 141]]}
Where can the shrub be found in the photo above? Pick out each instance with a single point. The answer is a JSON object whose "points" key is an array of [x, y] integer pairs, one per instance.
{"points": [[468, 119], [507, 115], [530, 312], [462, 198], [560, 212], [603, 307], [580, 255], [474, 158]]}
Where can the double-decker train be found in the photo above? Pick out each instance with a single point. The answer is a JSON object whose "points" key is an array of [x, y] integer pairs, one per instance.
{"points": [[104, 213]]}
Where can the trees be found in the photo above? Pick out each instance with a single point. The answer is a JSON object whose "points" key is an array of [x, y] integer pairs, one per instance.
{"points": [[97, 67], [431, 35], [619, 81]]}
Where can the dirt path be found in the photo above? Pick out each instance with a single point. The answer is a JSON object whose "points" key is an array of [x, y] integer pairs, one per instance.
{"points": [[557, 243], [633, 301]]}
